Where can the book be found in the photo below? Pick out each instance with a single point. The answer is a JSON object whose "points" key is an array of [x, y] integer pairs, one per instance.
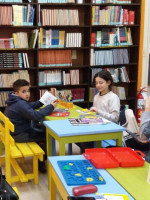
{"points": [[88, 120], [106, 196], [131, 17], [32, 38], [47, 98], [93, 38], [55, 38]]}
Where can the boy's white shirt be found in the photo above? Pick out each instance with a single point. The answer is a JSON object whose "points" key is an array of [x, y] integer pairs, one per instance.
{"points": [[47, 98]]}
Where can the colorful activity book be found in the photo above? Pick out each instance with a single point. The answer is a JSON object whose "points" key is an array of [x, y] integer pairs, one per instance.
{"points": [[88, 120]]}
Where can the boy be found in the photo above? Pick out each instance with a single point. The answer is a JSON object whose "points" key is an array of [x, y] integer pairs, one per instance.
{"points": [[21, 113]]}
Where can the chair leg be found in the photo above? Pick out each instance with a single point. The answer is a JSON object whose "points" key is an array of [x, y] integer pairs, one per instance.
{"points": [[35, 169]]}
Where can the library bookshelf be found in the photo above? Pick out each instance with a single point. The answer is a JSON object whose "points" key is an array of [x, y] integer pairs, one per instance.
{"points": [[50, 43]]}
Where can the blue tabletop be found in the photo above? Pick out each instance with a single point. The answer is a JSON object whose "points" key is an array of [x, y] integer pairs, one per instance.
{"points": [[111, 186], [65, 128]]}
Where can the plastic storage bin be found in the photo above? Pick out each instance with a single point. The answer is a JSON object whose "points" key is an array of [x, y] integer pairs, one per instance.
{"points": [[114, 157]]}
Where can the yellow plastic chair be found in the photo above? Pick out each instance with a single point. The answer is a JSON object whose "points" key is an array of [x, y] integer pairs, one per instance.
{"points": [[15, 152]]}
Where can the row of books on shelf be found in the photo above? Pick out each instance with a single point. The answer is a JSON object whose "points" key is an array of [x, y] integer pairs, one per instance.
{"points": [[20, 40], [111, 1], [120, 91], [109, 57], [23, 15], [71, 77], [17, 15], [19, 60], [50, 77], [68, 95], [54, 38], [56, 17], [58, 77], [5, 15], [6, 80], [119, 36], [112, 15], [25, 40], [6, 43], [72, 95], [54, 58], [47, 39], [118, 74], [56, 1], [3, 98]]}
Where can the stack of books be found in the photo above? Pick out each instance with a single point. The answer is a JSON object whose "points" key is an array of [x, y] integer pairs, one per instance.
{"points": [[88, 120]]}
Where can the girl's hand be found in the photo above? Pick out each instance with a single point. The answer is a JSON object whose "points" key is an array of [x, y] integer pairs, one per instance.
{"points": [[93, 109], [147, 104], [54, 103]]}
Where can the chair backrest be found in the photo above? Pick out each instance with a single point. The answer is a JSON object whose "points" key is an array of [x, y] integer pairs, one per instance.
{"points": [[127, 120], [5, 128], [132, 125]]}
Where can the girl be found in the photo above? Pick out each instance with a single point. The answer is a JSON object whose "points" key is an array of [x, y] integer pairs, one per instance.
{"points": [[105, 103]]}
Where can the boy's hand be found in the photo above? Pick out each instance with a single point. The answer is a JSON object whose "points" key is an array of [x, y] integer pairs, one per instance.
{"points": [[147, 104], [54, 103], [93, 109]]}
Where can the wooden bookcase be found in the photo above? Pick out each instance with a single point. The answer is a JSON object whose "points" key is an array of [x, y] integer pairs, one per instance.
{"points": [[133, 51], [81, 60]]}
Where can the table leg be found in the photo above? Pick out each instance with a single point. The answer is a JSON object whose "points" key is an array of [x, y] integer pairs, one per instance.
{"points": [[98, 144], [61, 148], [52, 185], [53, 147], [48, 143], [70, 148], [119, 140]]}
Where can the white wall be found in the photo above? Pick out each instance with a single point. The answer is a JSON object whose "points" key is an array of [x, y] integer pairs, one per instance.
{"points": [[146, 45]]}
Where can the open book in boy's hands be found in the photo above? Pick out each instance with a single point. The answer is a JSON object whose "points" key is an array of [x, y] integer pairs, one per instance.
{"points": [[47, 98]]}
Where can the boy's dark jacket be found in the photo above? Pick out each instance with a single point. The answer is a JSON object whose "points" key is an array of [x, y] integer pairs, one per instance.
{"points": [[21, 112]]}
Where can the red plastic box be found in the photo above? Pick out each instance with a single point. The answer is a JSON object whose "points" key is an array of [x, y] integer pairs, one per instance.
{"points": [[114, 157]]}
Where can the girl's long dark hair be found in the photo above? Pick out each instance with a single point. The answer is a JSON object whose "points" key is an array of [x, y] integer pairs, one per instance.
{"points": [[106, 75]]}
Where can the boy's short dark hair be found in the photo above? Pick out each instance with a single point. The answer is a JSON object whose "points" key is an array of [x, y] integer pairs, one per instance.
{"points": [[19, 83]]}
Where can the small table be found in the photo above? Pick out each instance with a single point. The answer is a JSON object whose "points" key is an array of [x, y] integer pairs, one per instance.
{"points": [[134, 180], [64, 132], [57, 180]]}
